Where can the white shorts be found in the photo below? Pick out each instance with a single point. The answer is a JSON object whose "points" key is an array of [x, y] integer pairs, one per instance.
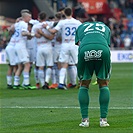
{"points": [[44, 56], [31, 53], [67, 51], [31, 48], [71, 60], [11, 55], [56, 53], [22, 53]]}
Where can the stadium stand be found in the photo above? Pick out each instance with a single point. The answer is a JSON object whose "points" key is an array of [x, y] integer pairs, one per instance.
{"points": [[117, 14]]}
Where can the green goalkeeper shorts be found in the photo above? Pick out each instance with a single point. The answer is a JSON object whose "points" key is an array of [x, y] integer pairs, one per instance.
{"points": [[94, 58]]}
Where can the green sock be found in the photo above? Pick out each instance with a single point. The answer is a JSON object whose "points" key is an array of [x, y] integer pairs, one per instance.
{"points": [[83, 98], [104, 98]]}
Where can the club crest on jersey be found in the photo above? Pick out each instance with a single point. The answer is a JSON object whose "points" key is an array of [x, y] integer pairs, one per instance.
{"points": [[93, 55]]}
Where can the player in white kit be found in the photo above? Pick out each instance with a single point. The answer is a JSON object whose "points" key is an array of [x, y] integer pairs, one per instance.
{"points": [[68, 28], [31, 43], [21, 34], [56, 43], [32, 50], [44, 51], [11, 57], [72, 70]]}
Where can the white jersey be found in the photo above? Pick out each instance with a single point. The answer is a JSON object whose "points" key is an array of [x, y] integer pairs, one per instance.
{"points": [[10, 51], [30, 43], [42, 40], [12, 40], [19, 28], [57, 36], [68, 28], [20, 47]]}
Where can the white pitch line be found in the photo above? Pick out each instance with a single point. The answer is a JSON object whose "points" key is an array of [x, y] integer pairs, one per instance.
{"points": [[56, 107]]}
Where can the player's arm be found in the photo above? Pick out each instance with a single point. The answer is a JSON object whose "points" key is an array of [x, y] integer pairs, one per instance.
{"points": [[50, 37], [25, 31], [11, 30], [37, 35], [52, 31], [29, 34]]}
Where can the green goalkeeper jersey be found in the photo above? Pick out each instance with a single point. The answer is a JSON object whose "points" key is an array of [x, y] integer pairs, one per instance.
{"points": [[93, 33]]}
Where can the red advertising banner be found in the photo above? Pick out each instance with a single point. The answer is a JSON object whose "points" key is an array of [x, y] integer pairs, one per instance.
{"points": [[95, 6]]}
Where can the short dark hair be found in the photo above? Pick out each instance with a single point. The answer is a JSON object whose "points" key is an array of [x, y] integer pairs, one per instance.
{"points": [[61, 9], [42, 15], [90, 19], [68, 11], [58, 15], [51, 17]]}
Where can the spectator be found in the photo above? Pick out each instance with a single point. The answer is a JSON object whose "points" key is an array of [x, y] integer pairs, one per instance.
{"points": [[80, 13], [127, 42], [5, 37]]}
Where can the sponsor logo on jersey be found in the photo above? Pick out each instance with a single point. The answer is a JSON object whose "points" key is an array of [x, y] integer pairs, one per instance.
{"points": [[93, 55]]}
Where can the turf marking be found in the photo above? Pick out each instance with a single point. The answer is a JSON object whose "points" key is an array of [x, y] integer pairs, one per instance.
{"points": [[59, 107]]}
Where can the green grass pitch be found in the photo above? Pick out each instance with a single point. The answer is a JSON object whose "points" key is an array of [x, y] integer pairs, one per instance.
{"points": [[57, 111]]}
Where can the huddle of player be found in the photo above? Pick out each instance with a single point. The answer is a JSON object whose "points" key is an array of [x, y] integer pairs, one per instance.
{"points": [[50, 45]]}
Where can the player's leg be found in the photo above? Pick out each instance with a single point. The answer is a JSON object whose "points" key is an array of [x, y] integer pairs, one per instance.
{"points": [[49, 64], [40, 64], [55, 68], [36, 76], [104, 98], [10, 54], [55, 76], [41, 75], [24, 57], [85, 72], [62, 76], [26, 62], [9, 76], [26, 73], [63, 59], [47, 77], [83, 97], [72, 68], [17, 76], [103, 71], [72, 73], [31, 58], [10, 73]]}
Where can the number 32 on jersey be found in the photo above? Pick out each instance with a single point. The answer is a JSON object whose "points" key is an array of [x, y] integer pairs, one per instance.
{"points": [[70, 31]]}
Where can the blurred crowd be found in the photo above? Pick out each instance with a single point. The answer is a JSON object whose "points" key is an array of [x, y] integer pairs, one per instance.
{"points": [[4, 37], [120, 23]]}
